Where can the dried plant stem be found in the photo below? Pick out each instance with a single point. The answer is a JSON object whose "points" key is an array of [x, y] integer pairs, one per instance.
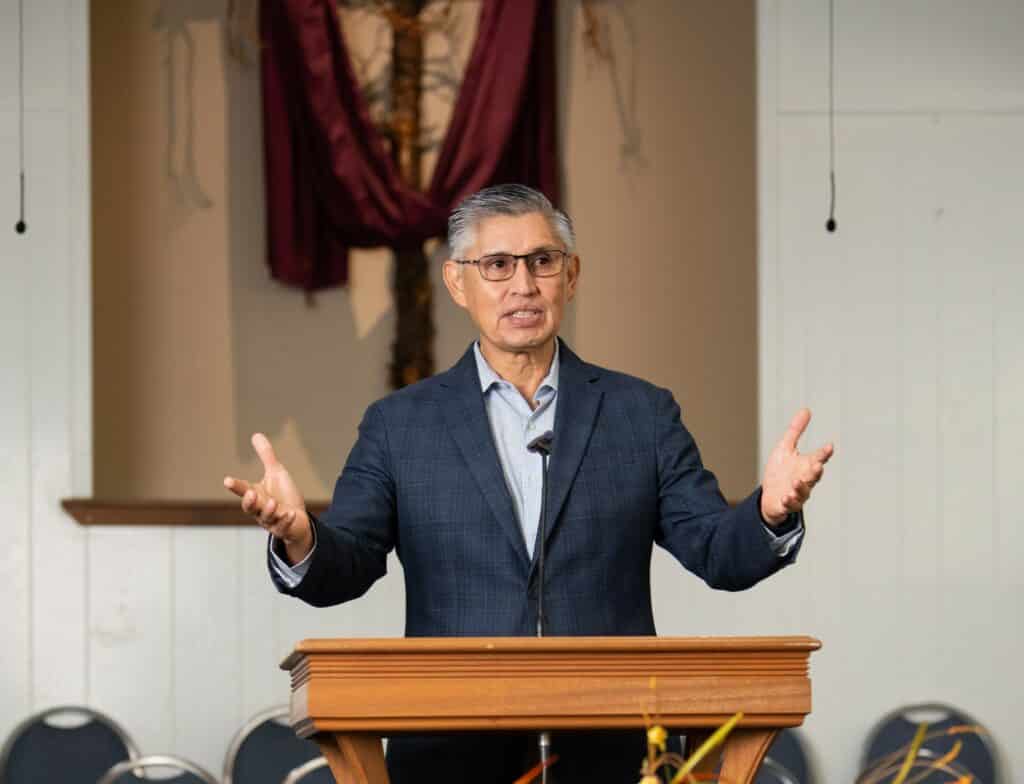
{"points": [[915, 746], [706, 747]]}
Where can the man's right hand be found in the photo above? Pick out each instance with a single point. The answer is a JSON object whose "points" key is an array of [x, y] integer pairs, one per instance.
{"points": [[275, 502]]}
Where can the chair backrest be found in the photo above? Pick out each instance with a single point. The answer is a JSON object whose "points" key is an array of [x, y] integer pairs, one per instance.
{"points": [[896, 730], [44, 747], [772, 772], [925, 769], [313, 772], [131, 771], [789, 761], [266, 749]]}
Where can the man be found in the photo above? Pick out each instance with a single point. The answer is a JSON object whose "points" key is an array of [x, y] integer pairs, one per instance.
{"points": [[442, 472]]}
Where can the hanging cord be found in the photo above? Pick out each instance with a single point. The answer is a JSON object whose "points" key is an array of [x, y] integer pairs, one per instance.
{"points": [[21, 227], [830, 224]]}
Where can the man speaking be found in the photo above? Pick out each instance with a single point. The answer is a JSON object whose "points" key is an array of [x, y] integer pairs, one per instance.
{"points": [[442, 471]]}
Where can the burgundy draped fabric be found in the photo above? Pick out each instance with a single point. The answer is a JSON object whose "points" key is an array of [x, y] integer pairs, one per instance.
{"points": [[330, 181]]}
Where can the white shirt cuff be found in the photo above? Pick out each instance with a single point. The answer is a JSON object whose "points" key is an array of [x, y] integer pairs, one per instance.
{"points": [[289, 575], [783, 545]]}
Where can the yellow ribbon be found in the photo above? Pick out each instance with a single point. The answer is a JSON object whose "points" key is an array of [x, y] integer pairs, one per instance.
{"points": [[716, 738], [908, 762]]}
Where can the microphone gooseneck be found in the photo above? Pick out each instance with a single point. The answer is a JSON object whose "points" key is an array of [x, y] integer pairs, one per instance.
{"points": [[541, 445]]}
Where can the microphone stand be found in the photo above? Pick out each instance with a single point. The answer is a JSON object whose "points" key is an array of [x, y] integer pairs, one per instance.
{"points": [[542, 445]]}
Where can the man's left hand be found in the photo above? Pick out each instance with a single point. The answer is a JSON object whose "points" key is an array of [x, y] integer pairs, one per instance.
{"points": [[790, 476]]}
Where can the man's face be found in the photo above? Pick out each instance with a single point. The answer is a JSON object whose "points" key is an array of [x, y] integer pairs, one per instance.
{"points": [[523, 313]]}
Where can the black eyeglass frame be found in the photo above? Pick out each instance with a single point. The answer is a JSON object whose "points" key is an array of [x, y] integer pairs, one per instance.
{"points": [[531, 263]]}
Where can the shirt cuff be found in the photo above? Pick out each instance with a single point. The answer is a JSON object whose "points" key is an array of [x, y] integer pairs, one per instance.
{"points": [[782, 544], [288, 574]]}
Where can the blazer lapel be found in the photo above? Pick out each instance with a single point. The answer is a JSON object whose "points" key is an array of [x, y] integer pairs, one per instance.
{"points": [[467, 421], [579, 399]]}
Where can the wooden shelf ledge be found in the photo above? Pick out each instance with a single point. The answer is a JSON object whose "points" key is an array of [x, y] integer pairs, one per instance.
{"points": [[94, 511]]}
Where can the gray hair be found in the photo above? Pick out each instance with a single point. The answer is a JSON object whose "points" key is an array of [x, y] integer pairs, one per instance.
{"points": [[510, 199]]}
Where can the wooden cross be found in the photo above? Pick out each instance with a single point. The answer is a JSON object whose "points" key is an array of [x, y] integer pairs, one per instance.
{"points": [[412, 354]]}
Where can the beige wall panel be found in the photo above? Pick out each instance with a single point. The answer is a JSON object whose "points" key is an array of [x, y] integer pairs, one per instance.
{"points": [[659, 158], [188, 325]]}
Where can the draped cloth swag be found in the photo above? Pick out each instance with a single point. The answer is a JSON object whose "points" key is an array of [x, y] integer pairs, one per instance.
{"points": [[331, 183]]}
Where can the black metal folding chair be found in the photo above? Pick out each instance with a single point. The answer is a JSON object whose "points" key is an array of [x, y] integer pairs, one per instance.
{"points": [[182, 771], [71, 744], [266, 750], [896, 730]]}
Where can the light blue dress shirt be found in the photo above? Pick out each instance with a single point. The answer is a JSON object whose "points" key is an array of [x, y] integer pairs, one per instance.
{"points": [[514, 425]]}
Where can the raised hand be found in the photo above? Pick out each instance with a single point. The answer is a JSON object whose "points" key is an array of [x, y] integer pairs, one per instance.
{"points": [[275, 502], [790, 476]]}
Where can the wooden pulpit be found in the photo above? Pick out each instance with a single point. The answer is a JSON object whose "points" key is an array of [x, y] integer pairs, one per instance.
{"points": [[347, 693]]}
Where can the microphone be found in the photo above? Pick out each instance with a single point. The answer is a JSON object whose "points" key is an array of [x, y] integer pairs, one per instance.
{"points": [[541, 445]]}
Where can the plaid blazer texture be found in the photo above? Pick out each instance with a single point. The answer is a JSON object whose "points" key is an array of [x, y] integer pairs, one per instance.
{"points": [[625, 474]]}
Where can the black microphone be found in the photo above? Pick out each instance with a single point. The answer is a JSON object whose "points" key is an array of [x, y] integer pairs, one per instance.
{"points": [[541, 445]]}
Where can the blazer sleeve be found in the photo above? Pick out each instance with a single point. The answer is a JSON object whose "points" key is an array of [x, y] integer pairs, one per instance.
{"points": [[727, 547], [359, 528]]}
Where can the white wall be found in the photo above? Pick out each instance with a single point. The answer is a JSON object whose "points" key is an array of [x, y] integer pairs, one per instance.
{"points": [[45, 403], [175, 633], [902, 332]]}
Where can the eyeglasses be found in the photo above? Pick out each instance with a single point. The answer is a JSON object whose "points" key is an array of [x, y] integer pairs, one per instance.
{"points": [[502, 266]]}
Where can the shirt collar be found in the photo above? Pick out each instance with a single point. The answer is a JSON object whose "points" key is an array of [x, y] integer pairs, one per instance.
{"points": [[488, 378]]}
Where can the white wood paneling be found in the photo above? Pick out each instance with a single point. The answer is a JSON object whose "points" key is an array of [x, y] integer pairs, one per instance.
{"points": [[15, 447], [207, 643], [1008, 535], [45, 347], [49, 26], [1008, 394], [132, 673], [59, 608], [902, 56], [259, 603], [380, 613], [902, 332], [9, 74]]}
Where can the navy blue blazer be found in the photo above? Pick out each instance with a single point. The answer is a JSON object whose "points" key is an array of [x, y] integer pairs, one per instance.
{"points": [[424, 478]]}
